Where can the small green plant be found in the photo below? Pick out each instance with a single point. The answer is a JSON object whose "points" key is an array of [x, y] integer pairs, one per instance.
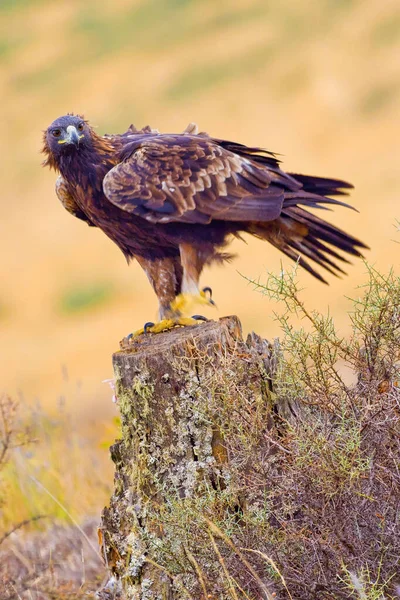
{"points": [[85, 297], [363, 586]]}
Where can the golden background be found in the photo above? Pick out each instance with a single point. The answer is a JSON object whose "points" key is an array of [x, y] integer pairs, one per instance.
{"points": [[317, 81]]}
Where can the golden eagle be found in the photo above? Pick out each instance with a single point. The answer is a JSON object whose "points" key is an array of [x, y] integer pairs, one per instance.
{"points": [[173, 202]]}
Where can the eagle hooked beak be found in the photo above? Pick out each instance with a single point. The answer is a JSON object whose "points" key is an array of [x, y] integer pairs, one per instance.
{"points": [[72, 136]]}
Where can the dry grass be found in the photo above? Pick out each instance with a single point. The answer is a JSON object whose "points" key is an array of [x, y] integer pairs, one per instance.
{"points": [[64, 473], [52, 478], [55, 564]]}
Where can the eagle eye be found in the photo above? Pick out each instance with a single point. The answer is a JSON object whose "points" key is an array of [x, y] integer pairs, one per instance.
{"points": [[80, 127], [56, 132]]}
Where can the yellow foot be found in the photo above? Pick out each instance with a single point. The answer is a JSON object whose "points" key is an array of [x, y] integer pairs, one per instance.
{"points": [[167, 324], [185, 303]]}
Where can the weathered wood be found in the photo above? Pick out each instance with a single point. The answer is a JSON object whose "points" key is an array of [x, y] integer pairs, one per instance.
{"points": [[178, 393]]}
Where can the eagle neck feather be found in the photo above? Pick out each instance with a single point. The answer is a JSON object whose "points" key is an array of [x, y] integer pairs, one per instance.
{"points": [[87, 165]]}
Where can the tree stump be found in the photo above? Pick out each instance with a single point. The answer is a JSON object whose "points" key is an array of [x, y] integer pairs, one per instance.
{"points": [[196, 405]]}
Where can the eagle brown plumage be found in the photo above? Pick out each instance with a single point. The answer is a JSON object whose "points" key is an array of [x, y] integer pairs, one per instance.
{"points": [[173, 201]]}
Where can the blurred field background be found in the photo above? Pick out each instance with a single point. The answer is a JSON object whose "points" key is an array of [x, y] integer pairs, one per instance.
{"points": [[317, 81]]}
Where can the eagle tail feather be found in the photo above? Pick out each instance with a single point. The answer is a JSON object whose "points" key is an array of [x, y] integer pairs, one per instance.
{"points": [[323, 186], [302, 235]]}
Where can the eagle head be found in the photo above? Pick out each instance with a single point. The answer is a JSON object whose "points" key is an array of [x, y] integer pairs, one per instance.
{"points": [[65, 135]]}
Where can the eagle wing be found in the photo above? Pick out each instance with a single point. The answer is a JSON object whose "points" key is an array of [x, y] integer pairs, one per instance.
{"points": [[193, 179], [69, 203]]}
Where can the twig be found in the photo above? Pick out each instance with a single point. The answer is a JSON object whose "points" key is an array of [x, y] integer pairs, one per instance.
{"points": [[273, 565], [20, 525]]}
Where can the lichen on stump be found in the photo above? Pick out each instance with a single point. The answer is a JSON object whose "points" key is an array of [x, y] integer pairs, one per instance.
{"points": [[195, 405]]}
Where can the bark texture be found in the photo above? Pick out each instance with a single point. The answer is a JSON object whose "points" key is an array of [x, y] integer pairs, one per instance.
{"points": [[182, 396]]}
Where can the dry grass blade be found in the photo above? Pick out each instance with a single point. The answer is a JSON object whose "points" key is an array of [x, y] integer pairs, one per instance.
{"points": [[245, 595], [231, 588], [197, 569], [273, 565], [68, 514], [17, 595], [266, 594]]}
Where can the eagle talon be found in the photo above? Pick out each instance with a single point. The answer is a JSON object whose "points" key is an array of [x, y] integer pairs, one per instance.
{"points": [[206, 293], [200, 318], [147, 326]]}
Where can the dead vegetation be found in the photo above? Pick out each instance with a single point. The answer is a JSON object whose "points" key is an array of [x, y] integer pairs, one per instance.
{"points": [[41, 558], [55, 564], [307, 504]]}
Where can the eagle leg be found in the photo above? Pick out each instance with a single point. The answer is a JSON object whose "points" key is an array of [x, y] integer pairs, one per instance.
{"points": [[192, 260], [185, 302], [175, 281]]}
